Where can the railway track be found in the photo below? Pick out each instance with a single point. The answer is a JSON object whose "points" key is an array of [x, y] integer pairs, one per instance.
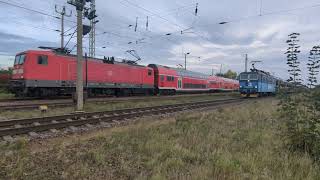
{"points": [[20, 104], [35, 125]]}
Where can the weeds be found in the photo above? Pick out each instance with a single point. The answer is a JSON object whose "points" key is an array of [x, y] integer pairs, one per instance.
{"points": [[301, 116], [233, 143]]}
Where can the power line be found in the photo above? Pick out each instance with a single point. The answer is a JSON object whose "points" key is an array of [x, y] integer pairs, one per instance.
{"points": [[28, 9], [262, 14], [152, 13], [159, 16], [32, 26]]}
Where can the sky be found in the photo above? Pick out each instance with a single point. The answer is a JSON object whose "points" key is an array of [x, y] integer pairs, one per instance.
{"points": [[258, 28]]}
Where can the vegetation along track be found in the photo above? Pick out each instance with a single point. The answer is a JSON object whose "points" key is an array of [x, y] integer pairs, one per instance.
{"points": [[25, 126], [20, 104]]}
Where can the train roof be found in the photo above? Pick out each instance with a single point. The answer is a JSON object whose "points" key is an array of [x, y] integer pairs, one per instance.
{"points": [[183, 72], [257, 71], [61, 53]]}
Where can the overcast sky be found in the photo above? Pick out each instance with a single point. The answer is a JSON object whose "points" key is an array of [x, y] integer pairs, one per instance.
{"points": [[262, 37]]}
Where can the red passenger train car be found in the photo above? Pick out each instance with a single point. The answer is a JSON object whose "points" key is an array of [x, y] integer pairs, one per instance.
{"points": [[39, 73], [173, 80]]}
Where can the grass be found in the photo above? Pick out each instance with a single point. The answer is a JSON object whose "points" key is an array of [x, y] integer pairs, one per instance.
{"points": [[232, 143], [4, 94], [92, 107]]}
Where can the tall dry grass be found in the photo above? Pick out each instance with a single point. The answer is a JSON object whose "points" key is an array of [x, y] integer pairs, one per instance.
{"points": [[240, 142]]}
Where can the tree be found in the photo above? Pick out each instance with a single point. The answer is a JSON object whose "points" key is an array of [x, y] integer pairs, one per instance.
{"points": [[313, 66], [300, 112], [292, 60], [229, 74]]}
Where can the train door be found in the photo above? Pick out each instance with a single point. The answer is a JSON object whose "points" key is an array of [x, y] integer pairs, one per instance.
{"points": [[72, 74], [179, 83]]}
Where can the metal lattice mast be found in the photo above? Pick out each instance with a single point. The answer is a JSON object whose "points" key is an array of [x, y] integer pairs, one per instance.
{"points": [[92, 36]]}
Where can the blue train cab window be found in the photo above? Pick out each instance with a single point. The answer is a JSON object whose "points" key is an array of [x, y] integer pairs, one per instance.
{"points": [[244, 77], [43, 60], [253, 77]]}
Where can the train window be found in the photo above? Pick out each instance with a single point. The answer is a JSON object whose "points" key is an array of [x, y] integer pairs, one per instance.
{"points": [[195, 86], [149, 72], [43, 60], [16, 60], [162, 78], [253, 77], [20, 59], [243, 76], [170, 78]]}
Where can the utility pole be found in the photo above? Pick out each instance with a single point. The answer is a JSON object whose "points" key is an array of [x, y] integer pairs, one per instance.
{"points": [[79, 62], [147, 24], [185, 60], [79, 4], [136, 26], [246, 63], [63, 14], [221, 69]]}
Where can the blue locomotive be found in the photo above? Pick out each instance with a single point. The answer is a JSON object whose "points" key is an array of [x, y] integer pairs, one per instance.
{"points": [[257, 83]]}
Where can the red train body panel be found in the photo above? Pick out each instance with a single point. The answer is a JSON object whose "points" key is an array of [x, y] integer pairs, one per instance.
{"points": [[45, 73]]}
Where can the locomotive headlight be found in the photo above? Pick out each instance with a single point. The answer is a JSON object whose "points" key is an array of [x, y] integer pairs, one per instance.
{"points": [[256, 87]]}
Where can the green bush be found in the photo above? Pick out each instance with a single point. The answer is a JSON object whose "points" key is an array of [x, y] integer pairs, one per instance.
{"points": [[301, 116]]}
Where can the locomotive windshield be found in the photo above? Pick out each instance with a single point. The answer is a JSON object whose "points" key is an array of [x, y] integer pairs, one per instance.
{"points": [[243, 76], [19, 60], [246, 76], [253, 77]]}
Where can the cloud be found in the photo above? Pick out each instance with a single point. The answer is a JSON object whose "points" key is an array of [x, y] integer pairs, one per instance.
{"points": [[262, 37]]}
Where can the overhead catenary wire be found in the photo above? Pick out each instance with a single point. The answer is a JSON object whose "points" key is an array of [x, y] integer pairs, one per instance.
{"points": [[46, 14], [29, 9], [33, 26], [261, 15], [49, 15], [150, 12], [159, 16]]}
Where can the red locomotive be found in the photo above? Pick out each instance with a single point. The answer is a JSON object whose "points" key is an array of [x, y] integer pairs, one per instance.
{"points": [[52, 73]]}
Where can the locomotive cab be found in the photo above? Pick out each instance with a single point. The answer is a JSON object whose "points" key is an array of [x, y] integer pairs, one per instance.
{"points": [[249, 84], [18, 68], [25, 65], [17, 83]]}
